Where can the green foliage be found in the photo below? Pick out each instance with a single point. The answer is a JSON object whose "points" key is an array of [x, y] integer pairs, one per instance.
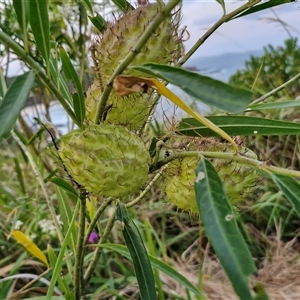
{"points": [[75, 228], [275, 67]]}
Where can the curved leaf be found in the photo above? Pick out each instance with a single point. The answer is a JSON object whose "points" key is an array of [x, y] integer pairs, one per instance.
{"points": [[290, 188], [126, 85], [275, 105], [138, 253], [54, 63], [14, 101], [39, 22], [30, 246], [156, 263], [262, 6], [88, 5], [62, 253], [203, 88], [99, 22], [3, 86], [64, 185], [221, 228], [238, 125], [71, 74], [123, 5], [22, 11]]}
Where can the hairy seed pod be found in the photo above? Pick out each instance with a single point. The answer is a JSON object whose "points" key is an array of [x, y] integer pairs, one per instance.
{"points": [[239, 180], [119, 39], [106, 160]]}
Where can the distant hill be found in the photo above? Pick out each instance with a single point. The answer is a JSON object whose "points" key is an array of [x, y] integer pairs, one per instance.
{"points": [[221, 66]]}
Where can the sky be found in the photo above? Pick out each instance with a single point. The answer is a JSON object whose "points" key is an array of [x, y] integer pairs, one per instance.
{"points": [[243, 34]]}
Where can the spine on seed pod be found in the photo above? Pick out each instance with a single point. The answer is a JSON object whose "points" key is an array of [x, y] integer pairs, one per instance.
{"points": [[164, 47]]}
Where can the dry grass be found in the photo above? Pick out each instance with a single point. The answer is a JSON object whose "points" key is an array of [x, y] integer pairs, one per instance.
{"points": [[278, 272]]}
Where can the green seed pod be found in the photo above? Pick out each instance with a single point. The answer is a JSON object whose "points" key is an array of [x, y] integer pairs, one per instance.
{"points": [[239, 180], [164, 47], [130, 111], [106, 160]]}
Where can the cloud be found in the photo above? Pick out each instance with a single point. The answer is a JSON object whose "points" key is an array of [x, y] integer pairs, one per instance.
{"points": [[242, 34]]}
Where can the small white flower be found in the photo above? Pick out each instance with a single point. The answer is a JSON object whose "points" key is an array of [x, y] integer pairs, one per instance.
{"points": [[18, 224], [59, 221], [33, 236]]}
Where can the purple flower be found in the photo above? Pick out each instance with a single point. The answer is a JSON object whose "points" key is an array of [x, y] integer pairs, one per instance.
{"points": [[93, 239]]}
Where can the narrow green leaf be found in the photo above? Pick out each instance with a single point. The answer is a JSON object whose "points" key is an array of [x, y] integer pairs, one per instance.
{"points": [[57, 77], [88, 5], [275, 105], [3, 87], [64, 185], [262, 6], [156, 263], [239, 125], [71, 74], [14, 101], [39, 22], [36, 136], [99, 22], [123, 5], [290, 188], [203, 88], [138, 253], [62, 253], [52, 261], [46, 298], [22, 11], [221, 228], [66, 214], [20, 175]]}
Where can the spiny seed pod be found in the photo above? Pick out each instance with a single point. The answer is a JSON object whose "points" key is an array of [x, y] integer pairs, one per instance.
{"points": [[106, 159], [119, 39], [239, 180], [130, 111]]}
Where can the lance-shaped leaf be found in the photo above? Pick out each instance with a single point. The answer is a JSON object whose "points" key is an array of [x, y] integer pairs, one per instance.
{"points": [[138, 253], [275, 105], [3, 86], [160, 265], [123, 5], [71, 74], [125, 85], [262, 6], [88, 5], [203, 88], [30, 246], [61, 84], [99, 22], [221, 228], [290, 188], [14, 101], [39, 22], [22, 11], [238, 125]]}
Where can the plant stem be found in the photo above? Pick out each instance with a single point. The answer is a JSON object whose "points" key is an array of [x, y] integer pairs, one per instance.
{"points": [[243, 159], [145, 191], [80, 249], [97, 251], [95, 219], [269, 94], [135, 50], [21, 53], [42, 184], [212, 29]]}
